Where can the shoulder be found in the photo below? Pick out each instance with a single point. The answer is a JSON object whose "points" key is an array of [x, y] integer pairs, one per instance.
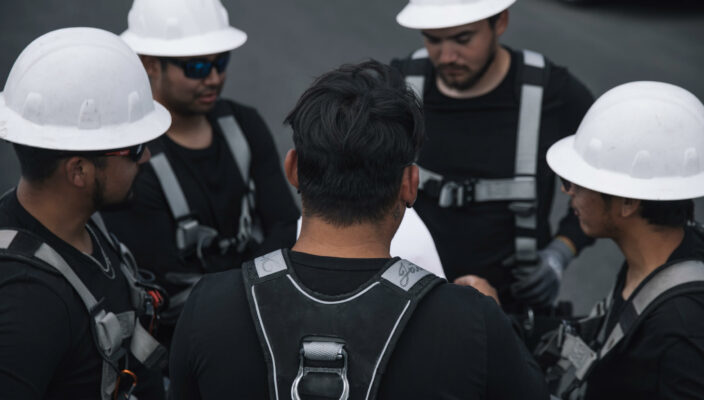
{"points": [[215, 295], [563, 85], [242, 112], [679, 316], [459, 306]]}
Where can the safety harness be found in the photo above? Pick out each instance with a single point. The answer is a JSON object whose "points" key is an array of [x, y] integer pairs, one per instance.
{"points": [[575, 348], [191, 235], [521, 189], [114, 334], [323, 346]]}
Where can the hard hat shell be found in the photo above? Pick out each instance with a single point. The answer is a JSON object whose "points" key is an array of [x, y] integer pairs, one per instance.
{"points": [[436, 14], [180, 28], [641, 140], [79, 89]]}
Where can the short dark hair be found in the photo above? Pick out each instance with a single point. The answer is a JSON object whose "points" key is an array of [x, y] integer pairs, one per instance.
{"points": [[492, 20], [673, 213], [37, 164], [355, 129]]}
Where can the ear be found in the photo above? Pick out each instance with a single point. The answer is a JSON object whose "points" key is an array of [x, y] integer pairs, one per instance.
{"points": [[152, 65], [501, 23], [409, 185], [78, 172], [629, 207], [291, 167]]}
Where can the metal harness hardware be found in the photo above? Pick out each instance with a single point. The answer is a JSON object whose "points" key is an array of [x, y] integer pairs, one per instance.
{"points": [[330, 357]]}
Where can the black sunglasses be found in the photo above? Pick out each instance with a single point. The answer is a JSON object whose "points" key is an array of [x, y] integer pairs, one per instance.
{"points": [[566, 185], [200, 68]]}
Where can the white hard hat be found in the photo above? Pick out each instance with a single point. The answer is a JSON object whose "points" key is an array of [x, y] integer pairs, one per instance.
{"points": [[180, 28], [436, 14], [79, 89], [641, 140]]}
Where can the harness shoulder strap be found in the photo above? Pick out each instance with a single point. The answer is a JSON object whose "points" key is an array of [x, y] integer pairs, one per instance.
{"points": [[532, 78], [109, 330], [236, 140], [415, 69]]}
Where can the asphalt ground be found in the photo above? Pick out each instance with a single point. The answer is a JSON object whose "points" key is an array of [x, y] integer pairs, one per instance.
{"points": [[292, 42]]}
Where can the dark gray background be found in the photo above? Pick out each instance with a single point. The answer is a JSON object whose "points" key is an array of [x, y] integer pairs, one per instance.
{"points": [[291, 42]]}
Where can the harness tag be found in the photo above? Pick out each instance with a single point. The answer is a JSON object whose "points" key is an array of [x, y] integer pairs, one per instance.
{"points": [[579, 354], [404, 274]]}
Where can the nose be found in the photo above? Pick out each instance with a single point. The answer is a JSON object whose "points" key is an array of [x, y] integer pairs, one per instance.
{"points": [[447, 52], [214, 78]]}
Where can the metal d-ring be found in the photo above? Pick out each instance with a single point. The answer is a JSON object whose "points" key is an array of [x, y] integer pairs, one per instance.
{"points": [[303, 371]]}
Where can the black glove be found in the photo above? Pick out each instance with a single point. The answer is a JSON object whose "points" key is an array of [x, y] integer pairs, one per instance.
{"points": [[538, 284]]}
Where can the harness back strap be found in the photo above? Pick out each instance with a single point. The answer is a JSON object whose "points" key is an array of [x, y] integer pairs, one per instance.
{"points": [[522, 188], [327, 329]]}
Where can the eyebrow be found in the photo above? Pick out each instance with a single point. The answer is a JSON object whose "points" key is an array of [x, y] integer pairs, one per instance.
{"points": [[455, 36]]}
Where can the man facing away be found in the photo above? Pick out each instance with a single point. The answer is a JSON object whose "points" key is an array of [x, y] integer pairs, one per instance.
{"points": [[213, 195], [491, 112], [631, 171], [336, 316], [78, 108]]}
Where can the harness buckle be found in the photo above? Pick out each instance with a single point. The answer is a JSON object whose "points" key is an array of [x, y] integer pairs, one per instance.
{"points": [[322, 356], [186, 233], [523, 208], [456, 194]]}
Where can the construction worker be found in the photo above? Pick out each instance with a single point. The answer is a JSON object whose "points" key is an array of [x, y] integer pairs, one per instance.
{"points": [[336, 316], [213, 194], [491, 112], [78, 108], [631, 171]]}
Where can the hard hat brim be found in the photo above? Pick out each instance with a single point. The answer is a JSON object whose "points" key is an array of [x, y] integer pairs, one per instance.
{"points": [[209, 43], [431, 16], [15, 129], [563, 158]]}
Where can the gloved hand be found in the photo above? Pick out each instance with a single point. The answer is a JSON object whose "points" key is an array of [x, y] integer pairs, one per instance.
{"points": [[538, 284]]}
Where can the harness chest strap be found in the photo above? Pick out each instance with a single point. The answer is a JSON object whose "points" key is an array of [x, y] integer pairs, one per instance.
{"points": [[522, 188], [326, 328], [109, 329]]}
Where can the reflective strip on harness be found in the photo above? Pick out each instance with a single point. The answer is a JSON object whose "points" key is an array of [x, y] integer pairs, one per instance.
{"points": [[169, 184], [483, 190], [238, 145], [670, 277], [416, 82], [6, 237]]}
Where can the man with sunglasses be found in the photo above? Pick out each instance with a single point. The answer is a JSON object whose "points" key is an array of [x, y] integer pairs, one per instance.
{"points": [[71, 297], [491, 113], [631, 171], [213, 194]]}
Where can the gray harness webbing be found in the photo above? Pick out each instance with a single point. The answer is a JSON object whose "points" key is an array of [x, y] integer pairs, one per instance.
{"points": [[109, 329], [190, 234], [578, 357], [521, 189]]}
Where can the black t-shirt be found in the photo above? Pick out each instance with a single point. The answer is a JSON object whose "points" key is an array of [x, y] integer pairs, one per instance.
{"points": [[457, 344], [47, 349], [213, 187], [664, 359], [476, 138]]}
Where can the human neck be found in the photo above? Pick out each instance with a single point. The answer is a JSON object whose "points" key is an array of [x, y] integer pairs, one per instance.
{"points": [[366, 240], [494, 75], [646, 247], [64, 215], [190, 131]]}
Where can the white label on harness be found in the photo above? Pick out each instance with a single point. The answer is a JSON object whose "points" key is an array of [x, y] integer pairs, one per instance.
{"points": [[579, 354]]}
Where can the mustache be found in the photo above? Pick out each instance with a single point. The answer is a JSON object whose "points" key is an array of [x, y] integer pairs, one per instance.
{"points": [[444, 67]]}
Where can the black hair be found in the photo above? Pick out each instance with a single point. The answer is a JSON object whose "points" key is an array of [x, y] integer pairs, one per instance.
{"points": [[672, 213], [37, 164], [492, 20], [355, 130]]}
